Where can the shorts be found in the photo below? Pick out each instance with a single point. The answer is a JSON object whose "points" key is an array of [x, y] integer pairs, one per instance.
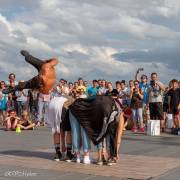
{"points": [[65, 124], [165, 108], [156, 111]]}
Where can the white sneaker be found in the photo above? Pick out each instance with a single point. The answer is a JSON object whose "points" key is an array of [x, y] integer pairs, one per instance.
{"points": [[86, 160], [78, 159]]}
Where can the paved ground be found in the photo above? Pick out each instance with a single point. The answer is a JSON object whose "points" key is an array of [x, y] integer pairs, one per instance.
{"points": [[28, 156]]}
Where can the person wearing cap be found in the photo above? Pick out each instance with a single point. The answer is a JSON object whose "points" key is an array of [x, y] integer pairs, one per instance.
{"points": [[144, 88]]}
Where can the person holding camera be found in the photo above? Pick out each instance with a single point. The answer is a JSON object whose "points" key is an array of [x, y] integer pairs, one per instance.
{"points": [[136, 105], [156, 100]]}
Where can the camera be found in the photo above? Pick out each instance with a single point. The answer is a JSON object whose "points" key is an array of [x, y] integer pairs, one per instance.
{"points": [[152, 83], [141, 69]]}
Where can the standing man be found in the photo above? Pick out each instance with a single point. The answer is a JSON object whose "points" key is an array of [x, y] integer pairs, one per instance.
{"points": [[155, 99]]}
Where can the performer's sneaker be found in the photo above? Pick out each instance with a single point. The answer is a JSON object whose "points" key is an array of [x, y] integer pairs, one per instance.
{"points": [[76, 159], [58, 157], [104, 159], [25, 53], [99, 162], [142, 129], [109, 162], [86, 160], [69, 156], [8, 90]]}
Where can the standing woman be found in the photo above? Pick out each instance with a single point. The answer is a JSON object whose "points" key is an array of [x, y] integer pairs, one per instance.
{"points": [[136, 105], [3, 103]]}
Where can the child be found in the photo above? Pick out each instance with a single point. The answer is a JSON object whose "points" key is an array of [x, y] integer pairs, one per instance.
{"points": [[25, 123], [11, 120]]}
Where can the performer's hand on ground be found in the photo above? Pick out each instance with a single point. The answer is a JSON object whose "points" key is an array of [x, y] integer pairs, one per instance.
{"points": [[24, 53]]}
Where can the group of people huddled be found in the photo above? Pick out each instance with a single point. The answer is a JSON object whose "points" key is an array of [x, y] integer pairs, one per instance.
{"points": [[146, 99]]}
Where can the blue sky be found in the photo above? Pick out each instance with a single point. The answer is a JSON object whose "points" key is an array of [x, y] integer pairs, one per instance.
{"points": [[92, 38]]}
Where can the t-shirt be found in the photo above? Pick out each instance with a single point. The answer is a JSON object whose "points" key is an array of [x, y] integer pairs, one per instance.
{"points": [[155, 93], [114, 92], [82, 87], [145, 89], [8, 83], [124, 94], [136, 101], [22, 95], [3, 101], [92, 91], [102, 90]]}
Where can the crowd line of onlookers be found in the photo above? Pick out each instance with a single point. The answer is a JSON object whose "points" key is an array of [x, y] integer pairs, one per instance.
{"points": [[148, 99]]}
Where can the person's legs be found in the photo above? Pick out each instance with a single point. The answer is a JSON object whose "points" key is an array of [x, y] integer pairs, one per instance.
{"points": [[30, 127], [63, 142], [140, 116], [37, 63], [8, 124], [14, 124], [46, 103], [40, 110], [69, 145], [19, 108], [86, 145], [1, 117], [75, 129], [56, 138], [159, 111], [134, 113], [119, 132], [99, 148]]}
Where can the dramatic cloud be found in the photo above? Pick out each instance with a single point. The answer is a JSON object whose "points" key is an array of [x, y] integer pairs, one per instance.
{"points": [[92, 38]]}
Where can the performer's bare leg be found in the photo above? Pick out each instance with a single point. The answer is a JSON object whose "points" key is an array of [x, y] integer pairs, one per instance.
{"points": [[119, 132], [37, 63], [58, 154]]}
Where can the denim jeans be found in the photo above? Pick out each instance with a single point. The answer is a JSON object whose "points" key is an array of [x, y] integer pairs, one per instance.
{"points": [[78, 133], [137, 114], [21, 105], [99, 146]]}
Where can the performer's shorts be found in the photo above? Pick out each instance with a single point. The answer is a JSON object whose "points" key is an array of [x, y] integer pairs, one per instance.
{"points": [[65, 124]]}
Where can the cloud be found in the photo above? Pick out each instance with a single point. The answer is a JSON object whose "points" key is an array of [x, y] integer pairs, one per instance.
{"points": [[94, 39]]}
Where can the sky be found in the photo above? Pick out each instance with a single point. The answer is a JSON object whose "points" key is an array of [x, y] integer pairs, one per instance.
{"points": [[92, 39]]}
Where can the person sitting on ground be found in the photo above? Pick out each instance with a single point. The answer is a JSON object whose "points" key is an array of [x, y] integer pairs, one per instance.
{"points": [[25, 123], [11, 120]]}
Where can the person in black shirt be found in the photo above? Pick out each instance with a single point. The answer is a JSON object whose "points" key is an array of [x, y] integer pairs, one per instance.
{"points": [[174, 104], [111, 91]]}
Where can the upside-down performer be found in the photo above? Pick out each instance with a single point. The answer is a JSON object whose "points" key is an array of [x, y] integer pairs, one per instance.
{"points": [[45, 79]]}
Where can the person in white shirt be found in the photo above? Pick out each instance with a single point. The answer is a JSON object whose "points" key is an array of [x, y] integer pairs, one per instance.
{"points": [[124, 94]]}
